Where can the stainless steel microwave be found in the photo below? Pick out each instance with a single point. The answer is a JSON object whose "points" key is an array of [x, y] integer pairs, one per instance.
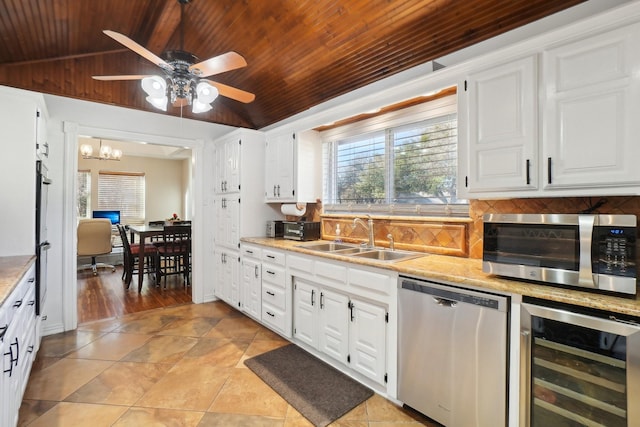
{"points": [[590, 251]]}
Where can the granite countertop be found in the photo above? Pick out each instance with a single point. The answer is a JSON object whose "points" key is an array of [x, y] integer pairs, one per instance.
{"points": [[468, 272], [12, 269]]}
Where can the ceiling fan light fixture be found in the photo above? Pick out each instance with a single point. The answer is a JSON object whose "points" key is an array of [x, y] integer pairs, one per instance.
{"points": [[200, 107], [160, 103], [206, 93], [154, 86]]}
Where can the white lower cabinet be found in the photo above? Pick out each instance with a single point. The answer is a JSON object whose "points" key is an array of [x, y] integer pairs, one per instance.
{"points": [[341, 326], [251, 281], [367, 343], [227, 283], [321, 319], [18, 343], [276, 292]]}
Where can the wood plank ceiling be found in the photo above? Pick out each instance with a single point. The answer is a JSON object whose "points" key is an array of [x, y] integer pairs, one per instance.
{"points": [[300, 53]]}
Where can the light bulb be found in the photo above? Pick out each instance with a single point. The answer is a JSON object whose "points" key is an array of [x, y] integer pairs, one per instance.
{"points": [[159, 103], [155, 86], [200, 107], [206, 93], [86, 150]]}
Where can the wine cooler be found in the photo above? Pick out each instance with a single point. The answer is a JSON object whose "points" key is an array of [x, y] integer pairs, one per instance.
{"points": [[579, 367]]}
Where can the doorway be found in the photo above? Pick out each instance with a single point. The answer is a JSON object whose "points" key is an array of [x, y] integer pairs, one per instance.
{"points": [[167, 178]]}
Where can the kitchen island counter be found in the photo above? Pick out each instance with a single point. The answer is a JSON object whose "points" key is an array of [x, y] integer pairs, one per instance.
{"points": [[468, 272], [12, 269]]}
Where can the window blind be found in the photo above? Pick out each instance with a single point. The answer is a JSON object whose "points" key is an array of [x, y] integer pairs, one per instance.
{"points": [[123, 191]]}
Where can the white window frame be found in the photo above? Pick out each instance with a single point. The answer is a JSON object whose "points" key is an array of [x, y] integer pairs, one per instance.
{"points": [[416, 114], [86, 175]]}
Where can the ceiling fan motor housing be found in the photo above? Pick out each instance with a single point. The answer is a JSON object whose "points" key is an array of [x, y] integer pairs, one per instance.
{"points": [[181, 78]]}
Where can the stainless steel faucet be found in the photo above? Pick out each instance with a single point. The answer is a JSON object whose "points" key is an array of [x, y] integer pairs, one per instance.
{"points": [[368, 226]]}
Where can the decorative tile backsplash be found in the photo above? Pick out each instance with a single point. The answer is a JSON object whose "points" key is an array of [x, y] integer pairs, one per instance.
{"points": [[459, 236]]}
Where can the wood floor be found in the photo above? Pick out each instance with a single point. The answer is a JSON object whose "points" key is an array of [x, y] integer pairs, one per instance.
{"points": [[105, 296]]}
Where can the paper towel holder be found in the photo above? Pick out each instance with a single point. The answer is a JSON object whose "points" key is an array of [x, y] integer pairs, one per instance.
{"points": [[293, 209]]}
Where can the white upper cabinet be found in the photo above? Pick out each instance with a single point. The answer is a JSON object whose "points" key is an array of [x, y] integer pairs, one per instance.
{"points": [[502, 122], [293, 164], [227, 165], [591, 111], [562, 121]]}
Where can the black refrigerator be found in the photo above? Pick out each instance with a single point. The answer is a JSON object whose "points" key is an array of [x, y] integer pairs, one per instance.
{"points": [[42, 244]]}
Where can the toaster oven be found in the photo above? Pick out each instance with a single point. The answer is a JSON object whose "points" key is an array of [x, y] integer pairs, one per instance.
{"points": [[301, 230]]}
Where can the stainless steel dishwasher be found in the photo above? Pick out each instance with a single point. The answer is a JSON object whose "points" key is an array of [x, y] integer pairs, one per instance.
{"points": [[453, 353]]}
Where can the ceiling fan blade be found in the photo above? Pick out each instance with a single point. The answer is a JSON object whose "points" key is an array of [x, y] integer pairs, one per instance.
{"points": [[140, 50], [129, 77], [219, 64], [232, 92]]}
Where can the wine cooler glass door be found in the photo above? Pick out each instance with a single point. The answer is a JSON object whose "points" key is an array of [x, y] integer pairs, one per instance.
{"points": [[579, 370]]}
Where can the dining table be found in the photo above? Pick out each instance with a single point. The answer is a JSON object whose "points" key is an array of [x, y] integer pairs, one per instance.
{"points": [[143, 232]]}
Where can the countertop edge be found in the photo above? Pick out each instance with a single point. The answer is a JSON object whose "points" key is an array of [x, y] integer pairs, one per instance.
{"points": [[12, 270], [468, 272]]}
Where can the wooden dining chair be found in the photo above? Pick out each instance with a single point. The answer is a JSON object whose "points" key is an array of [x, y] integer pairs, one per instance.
{"points": [[131, 258], [174, 256]]}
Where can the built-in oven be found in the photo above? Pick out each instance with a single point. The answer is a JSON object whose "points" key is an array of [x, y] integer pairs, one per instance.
{"points": [[589, 251], [579, 367]]}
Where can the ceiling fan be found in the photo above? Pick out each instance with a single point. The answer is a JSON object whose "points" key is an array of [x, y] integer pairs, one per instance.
{"points": [[183, 82]]}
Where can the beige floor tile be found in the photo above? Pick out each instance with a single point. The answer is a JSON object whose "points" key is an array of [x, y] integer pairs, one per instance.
{"points": [[245, 393], [190, 327], [139, 417], [235, 327], [161, 349], [42, 362], [80, 415], [61, 379], [188, 386], [59, 345], [295, 418], [233, 420], [358, 413], [381, 409], [111, 346], [221, 352], [123, 383], [32, 409], [147, 323]]}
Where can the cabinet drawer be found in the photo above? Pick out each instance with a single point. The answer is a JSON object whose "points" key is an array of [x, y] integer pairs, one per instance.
{"points": [[273, 317], [274, 296], [251, 252], [273, 257], [299, 263], [378, 282], [274, 275], [331, 271]]}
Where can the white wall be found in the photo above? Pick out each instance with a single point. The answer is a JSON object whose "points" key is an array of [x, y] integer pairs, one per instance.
{"points": [[166, 182]]}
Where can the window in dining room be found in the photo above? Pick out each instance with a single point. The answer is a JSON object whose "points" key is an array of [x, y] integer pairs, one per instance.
{"points": [[123, 191], [84, 193]]}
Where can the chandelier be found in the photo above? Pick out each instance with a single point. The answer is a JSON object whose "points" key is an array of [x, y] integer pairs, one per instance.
{"points": [[181, 86], [104, 153]]}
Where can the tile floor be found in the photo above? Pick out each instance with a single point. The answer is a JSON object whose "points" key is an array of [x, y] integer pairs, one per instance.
{"points": [[176, 366]]}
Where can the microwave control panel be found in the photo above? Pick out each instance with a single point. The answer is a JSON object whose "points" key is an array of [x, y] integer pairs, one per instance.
{"points": [[616, 251]]}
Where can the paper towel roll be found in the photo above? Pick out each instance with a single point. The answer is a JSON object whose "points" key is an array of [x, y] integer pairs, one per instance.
{"points": [[297, 209]]}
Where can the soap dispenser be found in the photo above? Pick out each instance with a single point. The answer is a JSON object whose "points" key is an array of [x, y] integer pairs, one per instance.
{"points": [[338, 239]]}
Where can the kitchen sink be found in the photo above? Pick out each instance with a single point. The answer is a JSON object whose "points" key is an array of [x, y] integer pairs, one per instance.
{"points": [[326, 247], [387, 255]]}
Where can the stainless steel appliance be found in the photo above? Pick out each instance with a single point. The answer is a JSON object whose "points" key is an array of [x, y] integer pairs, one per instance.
{"points": [[301, 230], [453, 353], [42, 244], [579, 367], [275, 228], [591, 251]]}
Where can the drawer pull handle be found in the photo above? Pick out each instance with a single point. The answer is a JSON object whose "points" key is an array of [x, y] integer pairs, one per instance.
{"points": [[32, 279], [271, 314], [17, 303], [271, 256], [3, 330], [32, 302], [271, 272], [271, 293]]}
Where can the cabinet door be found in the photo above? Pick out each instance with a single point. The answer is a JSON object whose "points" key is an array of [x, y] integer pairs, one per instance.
{"points": [[591, 110], [221, 287], [232, 165], [305, 312], [367, 340], [251, 291], [227, 209], [502, 135], [279, 153], [333, 337]]}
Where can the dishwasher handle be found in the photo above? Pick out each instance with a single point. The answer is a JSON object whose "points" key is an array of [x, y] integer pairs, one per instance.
{"points": [[443, 302]]}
